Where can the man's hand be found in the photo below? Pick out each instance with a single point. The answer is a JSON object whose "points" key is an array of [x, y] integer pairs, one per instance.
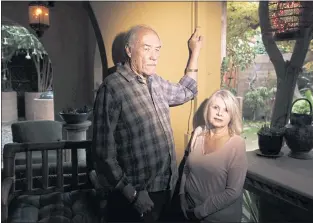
{"points": [[191, 215], [195, 41], [143, 203]]}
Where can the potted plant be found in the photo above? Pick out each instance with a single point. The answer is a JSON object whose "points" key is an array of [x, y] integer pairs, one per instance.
{"points": [[301, 119], [75, 115], [270, 140], [299, 139], [19, 41]]}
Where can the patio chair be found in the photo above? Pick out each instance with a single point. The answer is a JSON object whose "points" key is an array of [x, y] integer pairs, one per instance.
{"points": [[53, 199], [36, 131], [39, 131]]}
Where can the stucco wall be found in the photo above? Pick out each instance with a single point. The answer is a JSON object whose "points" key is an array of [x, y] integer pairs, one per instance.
{"points": [[174, 22], [71, 45]]}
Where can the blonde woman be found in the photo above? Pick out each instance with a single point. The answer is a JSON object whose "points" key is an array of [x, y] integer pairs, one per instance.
{"points": [[215, 170]]}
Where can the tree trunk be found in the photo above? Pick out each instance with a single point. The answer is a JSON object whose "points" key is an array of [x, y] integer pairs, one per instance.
{"points": [[286, 82], [287, 72]]}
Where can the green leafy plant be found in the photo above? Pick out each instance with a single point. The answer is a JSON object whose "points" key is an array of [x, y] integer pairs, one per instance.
{"points": [[17, 40], [261, 97], [302, 106], [271, 131]]}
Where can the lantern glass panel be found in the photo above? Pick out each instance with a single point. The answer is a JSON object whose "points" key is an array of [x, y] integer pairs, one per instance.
{"points": [[38, 14]]}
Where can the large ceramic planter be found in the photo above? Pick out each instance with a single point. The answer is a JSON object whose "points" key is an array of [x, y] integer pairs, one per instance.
{"points": [[9, 106], [37, 107], [299, 139], [30, 106], [44, 109]]}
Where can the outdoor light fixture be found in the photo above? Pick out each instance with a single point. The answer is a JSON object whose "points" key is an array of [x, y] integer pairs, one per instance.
{"points": [[38, 13]]}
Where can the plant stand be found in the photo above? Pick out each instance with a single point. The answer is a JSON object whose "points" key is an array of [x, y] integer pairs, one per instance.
{"points": [[76, 132]]}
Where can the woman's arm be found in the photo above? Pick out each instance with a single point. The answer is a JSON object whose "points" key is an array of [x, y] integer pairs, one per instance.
{"points": [[190, 147], [235, 181]]}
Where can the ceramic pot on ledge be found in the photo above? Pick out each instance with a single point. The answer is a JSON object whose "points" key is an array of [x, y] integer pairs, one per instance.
{"points": [[299, 139]]}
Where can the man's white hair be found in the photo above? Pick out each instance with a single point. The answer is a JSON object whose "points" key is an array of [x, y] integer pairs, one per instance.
{"points": [[132, 34]]}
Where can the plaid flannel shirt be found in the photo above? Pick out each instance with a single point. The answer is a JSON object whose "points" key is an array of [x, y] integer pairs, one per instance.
{"points": [[132, 135]]}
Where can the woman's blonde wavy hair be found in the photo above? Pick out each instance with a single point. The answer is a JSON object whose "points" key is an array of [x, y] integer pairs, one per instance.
{"points": [[232, 105]]}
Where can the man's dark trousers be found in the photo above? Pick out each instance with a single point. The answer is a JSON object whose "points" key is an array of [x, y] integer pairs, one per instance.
{"points": [[120, 210]]}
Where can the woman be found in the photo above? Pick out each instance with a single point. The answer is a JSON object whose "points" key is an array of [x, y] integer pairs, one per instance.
{"points": [[215, 170]]}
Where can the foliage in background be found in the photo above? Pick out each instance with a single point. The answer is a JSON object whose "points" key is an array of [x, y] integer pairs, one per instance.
{"points": [[242, 21], [284, 46], [16, 40], [224, 69], [260, 97], [302, 106], [309, 65], [244, 34]]}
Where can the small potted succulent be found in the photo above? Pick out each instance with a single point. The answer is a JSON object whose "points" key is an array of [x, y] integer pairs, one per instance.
{"points": [[75, 115], [270, 140]]}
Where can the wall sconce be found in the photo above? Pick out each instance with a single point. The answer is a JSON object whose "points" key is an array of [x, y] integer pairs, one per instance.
{"points": [[38, 14]]}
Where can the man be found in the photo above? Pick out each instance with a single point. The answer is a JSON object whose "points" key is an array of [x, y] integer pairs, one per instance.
{"points": [[133, 139]]}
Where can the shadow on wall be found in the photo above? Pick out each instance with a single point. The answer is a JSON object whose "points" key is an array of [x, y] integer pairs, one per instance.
{"points": [[198, 118], [118, 51]]}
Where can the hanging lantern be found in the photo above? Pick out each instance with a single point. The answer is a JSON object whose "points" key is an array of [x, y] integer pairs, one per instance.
{"points": [[38, 13], [289, 18]]}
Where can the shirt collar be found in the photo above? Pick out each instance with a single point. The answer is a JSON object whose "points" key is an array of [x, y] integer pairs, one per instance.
{"points": [[128, 74]]}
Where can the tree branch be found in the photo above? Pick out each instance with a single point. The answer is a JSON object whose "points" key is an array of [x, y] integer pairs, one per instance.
{"points": [[268, 40]]}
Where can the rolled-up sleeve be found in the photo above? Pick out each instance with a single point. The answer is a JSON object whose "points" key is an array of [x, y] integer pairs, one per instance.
{"points": [[181, 92], [106, 114]]}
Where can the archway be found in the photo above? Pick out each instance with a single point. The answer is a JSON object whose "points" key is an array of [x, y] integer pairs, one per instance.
{"points": [[26, 73]]}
